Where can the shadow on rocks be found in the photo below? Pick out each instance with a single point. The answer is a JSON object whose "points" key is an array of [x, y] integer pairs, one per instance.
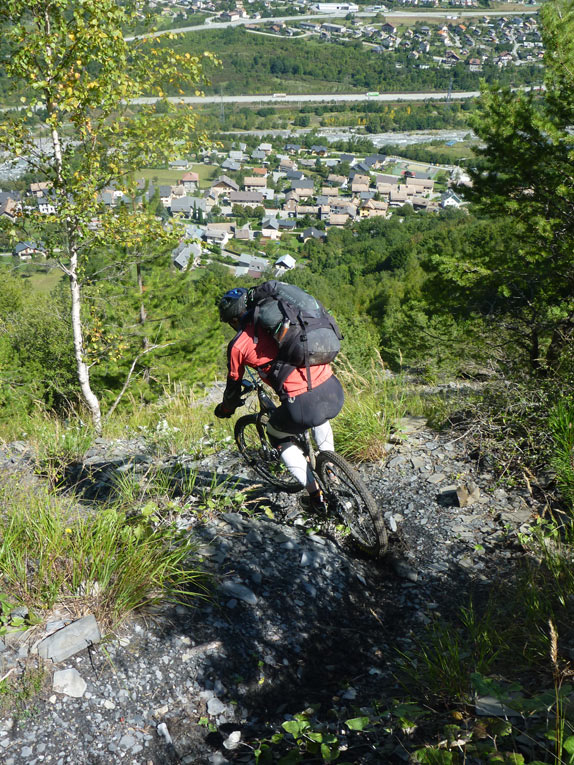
{"points": [[295, 620]]}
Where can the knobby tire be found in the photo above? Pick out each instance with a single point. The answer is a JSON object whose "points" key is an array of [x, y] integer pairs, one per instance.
{"points": [[349, 499], [256, 450]]}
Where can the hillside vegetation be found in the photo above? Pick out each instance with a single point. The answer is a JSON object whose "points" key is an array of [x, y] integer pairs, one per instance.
{"points": [[258, 64]]}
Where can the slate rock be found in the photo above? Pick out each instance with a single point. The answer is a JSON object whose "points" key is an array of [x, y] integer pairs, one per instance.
{"points": [[70, 640], [467, 494], [215, 707], [459, 495], [436, 478], [447, 496], [239, 591]]}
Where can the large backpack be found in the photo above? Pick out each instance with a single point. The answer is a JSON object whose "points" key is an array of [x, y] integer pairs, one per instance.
{"points": [[305, 332]]}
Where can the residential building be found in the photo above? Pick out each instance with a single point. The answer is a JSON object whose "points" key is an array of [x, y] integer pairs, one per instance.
{"points": [[186, 254], [358, 188], [213, 235], [182, 206], [189, 181], [10, 205], [302, 210], [451, 199], [231, 165], [251, 265], [223, 185], [247, 198], [373, 208], [26, 250], [304, 188], [165, 194], [180, 164], [422, 184], [254, 183], [398, 197], [284, 263], [336, 180], [338, 220], [40, 188], [312, 233], [270, 228], [243, 234]]}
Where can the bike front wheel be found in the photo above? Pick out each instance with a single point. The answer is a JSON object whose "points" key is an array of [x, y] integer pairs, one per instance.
{"points": [[261, 456], [348, 498]]}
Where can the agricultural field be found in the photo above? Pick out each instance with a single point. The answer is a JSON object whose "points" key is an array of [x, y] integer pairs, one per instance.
{"points": [[170, 176], [41, 277]]}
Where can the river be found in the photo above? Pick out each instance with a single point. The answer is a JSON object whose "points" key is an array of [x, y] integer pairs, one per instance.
{"points": [[398, 138]]}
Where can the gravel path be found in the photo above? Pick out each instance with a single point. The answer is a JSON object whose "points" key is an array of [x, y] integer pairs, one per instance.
{"points": [[295, 619]]}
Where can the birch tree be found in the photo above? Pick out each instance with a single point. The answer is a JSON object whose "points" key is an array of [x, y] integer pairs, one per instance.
{"points": [[76, 77]]}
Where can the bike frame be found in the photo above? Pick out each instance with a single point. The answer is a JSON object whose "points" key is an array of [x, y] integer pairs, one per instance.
{"points": [[266, 406]]}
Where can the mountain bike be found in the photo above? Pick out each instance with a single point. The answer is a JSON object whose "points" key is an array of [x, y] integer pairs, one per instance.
{"points": [[348, 500]]}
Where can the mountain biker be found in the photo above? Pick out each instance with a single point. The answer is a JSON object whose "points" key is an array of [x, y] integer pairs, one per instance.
{"points": [[300, 407]]}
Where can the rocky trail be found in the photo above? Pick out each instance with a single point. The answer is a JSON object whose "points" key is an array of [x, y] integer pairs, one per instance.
{"points": [[296, 618]]}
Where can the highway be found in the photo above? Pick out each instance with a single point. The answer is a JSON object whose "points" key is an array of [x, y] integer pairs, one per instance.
{"points": [[315, 98]]}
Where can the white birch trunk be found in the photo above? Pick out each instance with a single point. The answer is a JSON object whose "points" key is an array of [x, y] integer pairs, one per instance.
{"points": [[82, 368]]}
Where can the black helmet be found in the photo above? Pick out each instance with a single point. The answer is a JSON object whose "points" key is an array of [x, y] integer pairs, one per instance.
{"points": [[233, 304]]}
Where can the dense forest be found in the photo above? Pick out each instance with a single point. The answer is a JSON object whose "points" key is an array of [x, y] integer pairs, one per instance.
{"points": [[385, 280]]}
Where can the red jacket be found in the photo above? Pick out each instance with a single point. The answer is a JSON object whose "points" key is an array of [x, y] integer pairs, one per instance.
{"points": [[243, 352]]}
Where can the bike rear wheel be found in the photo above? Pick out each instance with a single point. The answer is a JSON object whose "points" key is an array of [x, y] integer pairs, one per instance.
{"points": [[348, 498], [254, 446]]}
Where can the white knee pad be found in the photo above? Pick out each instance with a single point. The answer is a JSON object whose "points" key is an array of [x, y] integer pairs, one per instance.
{"points": [[295, 462]]}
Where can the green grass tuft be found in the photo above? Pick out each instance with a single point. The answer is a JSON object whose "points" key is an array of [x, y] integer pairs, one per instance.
{"points": [[373, 403], [103, 563], [561, 425]]}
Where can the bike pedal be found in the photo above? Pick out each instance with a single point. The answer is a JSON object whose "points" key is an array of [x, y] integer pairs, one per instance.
{"points": [[319, 507]]}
